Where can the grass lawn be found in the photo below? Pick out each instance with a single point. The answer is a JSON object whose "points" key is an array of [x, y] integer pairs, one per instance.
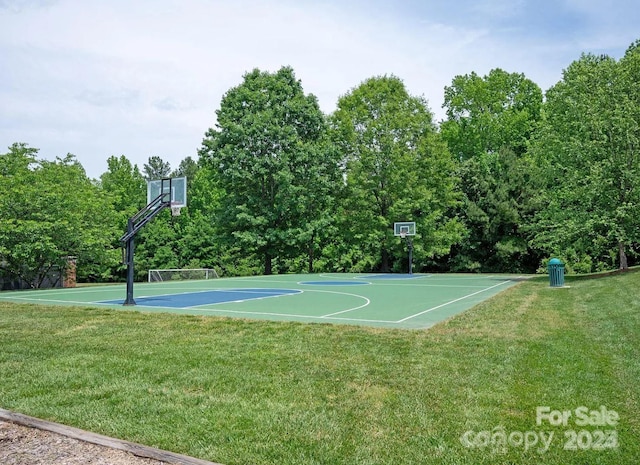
{"points": [[258, 392]]}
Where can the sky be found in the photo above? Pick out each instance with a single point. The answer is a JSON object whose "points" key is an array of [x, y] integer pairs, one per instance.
{"points": [[142, 78]]}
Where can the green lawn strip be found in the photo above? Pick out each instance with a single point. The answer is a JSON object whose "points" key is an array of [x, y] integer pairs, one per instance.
{"points": [[239, 392], [563, 356]]}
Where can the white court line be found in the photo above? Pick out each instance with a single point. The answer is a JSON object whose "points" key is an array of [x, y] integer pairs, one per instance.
{"points": [[300, 291], [237, 290], [330, 316], [451, 302], [249, 299], [211, 310], [367, 302], [466, 286], [293, 315], [393, 278], [74, 302], [75, 290], [111, 301], [362, 320]]}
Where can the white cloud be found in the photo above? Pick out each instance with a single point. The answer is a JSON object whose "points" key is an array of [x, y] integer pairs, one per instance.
{"points": [[144, 78]]}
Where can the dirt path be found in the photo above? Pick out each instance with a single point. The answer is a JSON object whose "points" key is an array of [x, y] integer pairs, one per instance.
{"points": [[20, 445]]}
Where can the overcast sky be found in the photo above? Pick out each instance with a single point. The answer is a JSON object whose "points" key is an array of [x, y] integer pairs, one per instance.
{"points": [[142, 78]]}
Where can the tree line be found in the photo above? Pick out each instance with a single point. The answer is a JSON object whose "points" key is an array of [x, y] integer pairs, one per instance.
{"points": [[511, 177]]}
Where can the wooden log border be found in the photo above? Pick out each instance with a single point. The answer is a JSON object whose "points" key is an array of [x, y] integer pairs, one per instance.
{"points": [[98, 439]]}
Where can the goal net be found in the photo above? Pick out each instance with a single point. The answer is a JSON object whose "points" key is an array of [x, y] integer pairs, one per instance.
{"points": [[182, 274]]}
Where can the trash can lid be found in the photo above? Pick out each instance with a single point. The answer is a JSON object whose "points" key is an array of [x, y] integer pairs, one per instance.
{"points": [[555, 261]]}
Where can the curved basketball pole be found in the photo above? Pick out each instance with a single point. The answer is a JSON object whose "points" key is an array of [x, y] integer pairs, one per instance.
{"points": [[135, 224]]}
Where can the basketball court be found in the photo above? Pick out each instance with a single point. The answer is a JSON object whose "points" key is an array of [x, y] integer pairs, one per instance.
{"points": [[406, 301]]}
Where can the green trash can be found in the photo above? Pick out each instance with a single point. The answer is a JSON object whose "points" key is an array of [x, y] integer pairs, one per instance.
{"points": [[556, 272]]}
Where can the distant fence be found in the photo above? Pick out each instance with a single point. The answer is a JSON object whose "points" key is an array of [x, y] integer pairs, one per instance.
{"points": [[51, 280]]}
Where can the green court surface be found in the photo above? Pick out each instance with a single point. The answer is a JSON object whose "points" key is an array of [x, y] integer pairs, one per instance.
{"points": [[384, 300]]}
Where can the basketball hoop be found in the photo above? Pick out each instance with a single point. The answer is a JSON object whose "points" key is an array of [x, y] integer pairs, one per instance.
{"points": [[175, 210], [406, 230]]}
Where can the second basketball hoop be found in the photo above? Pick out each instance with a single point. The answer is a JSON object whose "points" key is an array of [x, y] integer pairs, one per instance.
{"points": [[406, 229]]}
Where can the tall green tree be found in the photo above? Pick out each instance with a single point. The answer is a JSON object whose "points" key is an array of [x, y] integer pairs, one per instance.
{"points": [[588, 146], [265, 154], [320, 183], [397, 169], [198, 241], [17, 161], [499, 201], [156, 168], [158, 244], [126, 190], [489, 113], [188, 167], [489, 122], [49, 211], [125, 186]]}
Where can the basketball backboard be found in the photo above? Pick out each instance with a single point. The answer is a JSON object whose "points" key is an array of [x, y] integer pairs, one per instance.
{"points": [[175, 187], [404, 228]]}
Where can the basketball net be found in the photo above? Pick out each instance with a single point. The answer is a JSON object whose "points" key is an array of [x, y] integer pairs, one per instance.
{"points": [[175, 210], [403, 235]]}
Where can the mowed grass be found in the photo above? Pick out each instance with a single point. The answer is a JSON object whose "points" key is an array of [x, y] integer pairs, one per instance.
{"points": [[257, 392]]}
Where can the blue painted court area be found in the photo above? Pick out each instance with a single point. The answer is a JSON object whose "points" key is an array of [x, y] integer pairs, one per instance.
{"points": [[196, 299]]}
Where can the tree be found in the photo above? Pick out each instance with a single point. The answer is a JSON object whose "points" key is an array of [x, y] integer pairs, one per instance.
{"points": [[126, 189], [497, 207], [158, 245], [489, 122], [319, 183], [188, 167], [17, 161], [486, 114], [125, 186], [265, 157], [588, 148], [156, 169], [397, 169], [49, 211]]}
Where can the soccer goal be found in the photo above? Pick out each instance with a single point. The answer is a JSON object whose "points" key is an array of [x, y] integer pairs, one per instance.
{"points": [[181, 274]]}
